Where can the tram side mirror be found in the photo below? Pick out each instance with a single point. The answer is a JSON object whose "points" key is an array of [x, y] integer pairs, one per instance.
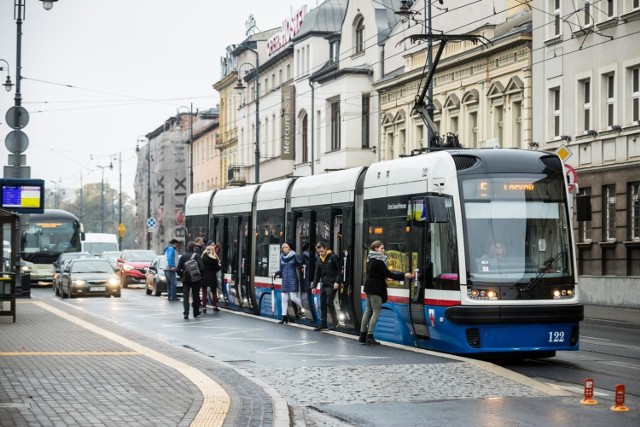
{"points": [[435, 209], [583, 208]]}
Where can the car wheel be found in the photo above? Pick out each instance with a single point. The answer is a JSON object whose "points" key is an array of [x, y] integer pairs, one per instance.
{"points": [[116, 295]]}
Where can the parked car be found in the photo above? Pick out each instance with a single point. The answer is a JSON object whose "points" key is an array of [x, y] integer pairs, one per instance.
{"points": [[155, 280], [58, 265], [89, 276], [112, 257], [131, 265]]}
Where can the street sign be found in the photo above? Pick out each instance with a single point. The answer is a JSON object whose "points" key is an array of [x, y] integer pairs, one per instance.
{"points": [[121, 230], [152, 223], [572, 177], [17, 117], [16, 141], [563, 152]]}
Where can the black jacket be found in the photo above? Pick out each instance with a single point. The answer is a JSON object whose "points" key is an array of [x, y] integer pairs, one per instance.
{"points": [[211, 266], [180, 270], [327, 271], [377, 272]]}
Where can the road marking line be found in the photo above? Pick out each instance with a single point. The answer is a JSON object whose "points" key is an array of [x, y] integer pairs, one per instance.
{"points": [[69, 353], [216, 401]]}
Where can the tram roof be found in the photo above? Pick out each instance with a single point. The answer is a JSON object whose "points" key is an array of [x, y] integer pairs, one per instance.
{"points": [[272, 194], [329, 188], [233, 200], [198, 203]]}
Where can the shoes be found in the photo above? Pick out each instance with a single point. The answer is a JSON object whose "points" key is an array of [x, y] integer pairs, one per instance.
{"points": [[320, 328], [285, 319], [186, 316], [204, 310], [196, 315], [363, 338], [216, 309], [371, 340]]}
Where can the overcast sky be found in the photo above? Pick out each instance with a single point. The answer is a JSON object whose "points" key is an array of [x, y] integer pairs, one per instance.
{"points": [[98, 74]]}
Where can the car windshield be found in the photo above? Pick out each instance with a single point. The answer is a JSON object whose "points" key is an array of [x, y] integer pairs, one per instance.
{"points": [[139, 256], [97, 266]]}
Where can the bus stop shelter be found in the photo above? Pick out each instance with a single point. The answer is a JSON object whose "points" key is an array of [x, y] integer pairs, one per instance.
{"points": [[10, 233]]}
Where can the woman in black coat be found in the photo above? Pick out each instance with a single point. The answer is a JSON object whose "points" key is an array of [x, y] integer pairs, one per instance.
{"points": [[375, 286], [211, 264]]}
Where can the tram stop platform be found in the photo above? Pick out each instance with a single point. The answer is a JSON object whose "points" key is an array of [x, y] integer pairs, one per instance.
{"points": [[71, 368]]}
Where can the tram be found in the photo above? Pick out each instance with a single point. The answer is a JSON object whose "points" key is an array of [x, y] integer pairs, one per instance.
{"points": [[440, 214]]}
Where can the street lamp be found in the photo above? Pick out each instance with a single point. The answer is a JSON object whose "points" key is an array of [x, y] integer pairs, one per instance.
{"points": [[148, 159], [190, 144], [17, 162], [110, 166], [240, 88], [8, 85]]}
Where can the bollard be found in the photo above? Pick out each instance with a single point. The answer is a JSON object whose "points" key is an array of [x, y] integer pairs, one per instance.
{"points": [[619, 405], [588, 393]]}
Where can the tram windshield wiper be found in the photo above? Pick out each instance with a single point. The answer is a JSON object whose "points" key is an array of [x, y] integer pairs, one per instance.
{"points": [[546, 266]]}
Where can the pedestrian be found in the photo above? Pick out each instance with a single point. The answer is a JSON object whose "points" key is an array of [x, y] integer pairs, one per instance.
{"points": [[189, 284], [375, 286], [170, 272], [328, 275], [211, 266], [290, 266], [199, 248]]}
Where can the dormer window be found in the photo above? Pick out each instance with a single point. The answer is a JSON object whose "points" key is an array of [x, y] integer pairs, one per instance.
{"points": [[334, 49], [359, 34]]}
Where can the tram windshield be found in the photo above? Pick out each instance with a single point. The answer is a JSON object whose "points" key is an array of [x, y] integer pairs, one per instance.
{"points": [[517, 228]]}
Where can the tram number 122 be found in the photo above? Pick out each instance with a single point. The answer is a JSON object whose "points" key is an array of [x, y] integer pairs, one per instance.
{"points": [[557, 336]]}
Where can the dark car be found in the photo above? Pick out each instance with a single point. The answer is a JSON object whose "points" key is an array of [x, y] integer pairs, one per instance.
{"points": [[155, 279], [89, 276], [132, 264], [58, 265]]}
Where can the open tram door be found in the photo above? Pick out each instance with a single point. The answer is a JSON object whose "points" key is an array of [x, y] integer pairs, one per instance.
{"points": [[426, 222]]}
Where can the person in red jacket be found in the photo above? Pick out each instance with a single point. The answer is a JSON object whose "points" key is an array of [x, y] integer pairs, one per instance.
{"points": [[375, 286]]}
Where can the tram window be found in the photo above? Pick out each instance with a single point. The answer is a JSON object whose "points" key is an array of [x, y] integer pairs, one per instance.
{"points": [[269, 231]]}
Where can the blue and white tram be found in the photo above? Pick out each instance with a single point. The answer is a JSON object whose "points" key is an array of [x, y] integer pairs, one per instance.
{"points": [[438, 214], [198, 214]]}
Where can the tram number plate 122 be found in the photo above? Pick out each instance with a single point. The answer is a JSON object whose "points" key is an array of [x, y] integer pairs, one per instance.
{"points": [[556, 336]]}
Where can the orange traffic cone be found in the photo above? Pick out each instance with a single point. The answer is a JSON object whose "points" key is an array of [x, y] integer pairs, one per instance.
{"points": [[588, 393], [619, 405]]}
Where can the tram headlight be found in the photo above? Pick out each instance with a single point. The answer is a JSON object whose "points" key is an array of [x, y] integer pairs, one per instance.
{"points": [[563, 293], [482, 294]]}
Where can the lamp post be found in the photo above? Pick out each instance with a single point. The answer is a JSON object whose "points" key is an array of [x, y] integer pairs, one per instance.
{"points": [[240, 88], [119, 199], [8, 85], [20, 116], [190, 145], [110, 166], [148, 160]]}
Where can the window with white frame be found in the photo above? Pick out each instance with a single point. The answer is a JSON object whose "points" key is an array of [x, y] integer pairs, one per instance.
{"points": [[307, 62], [516, 123], [635, 93], [634, 210], [304, 140], [359, 35], [266, 138], [584, 101], [420, 130], [608, 84], [555, 16], [335, 125], [554, 100], [280, 77], [635, 4], [273, 81], [610, 8], [586, 13], [609, 213], [584, 227], [498, 123], [274, 140], [288, 71], [334, 51], [366, 111], [473, 129]]}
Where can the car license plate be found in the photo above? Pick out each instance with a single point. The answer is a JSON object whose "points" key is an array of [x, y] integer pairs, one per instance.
{"points": [[97, 288]]}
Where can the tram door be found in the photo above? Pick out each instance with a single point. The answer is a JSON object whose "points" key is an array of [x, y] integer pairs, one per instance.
{"points": [[236, 249], [418, 246]]}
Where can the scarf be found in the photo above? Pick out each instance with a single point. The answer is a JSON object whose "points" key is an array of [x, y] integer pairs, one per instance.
{"points": [[290, 256], [377, 255]]}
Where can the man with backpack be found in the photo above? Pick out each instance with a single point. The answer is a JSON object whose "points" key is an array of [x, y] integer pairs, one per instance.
{"points": [[328, 274], [190, 271]]}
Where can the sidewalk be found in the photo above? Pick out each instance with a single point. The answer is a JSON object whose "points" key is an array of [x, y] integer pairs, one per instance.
{"points": [[612, 316], [59, 370]]}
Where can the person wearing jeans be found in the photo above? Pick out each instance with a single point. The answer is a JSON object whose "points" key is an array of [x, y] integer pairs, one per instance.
{"points": [[170, 272], [328, 274], [375, 287]]}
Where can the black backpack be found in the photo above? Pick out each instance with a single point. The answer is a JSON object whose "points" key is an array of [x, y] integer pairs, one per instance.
{"points": [[192, 270]]}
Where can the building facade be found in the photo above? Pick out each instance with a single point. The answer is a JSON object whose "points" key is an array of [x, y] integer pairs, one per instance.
{"points": [[586, 80]]}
